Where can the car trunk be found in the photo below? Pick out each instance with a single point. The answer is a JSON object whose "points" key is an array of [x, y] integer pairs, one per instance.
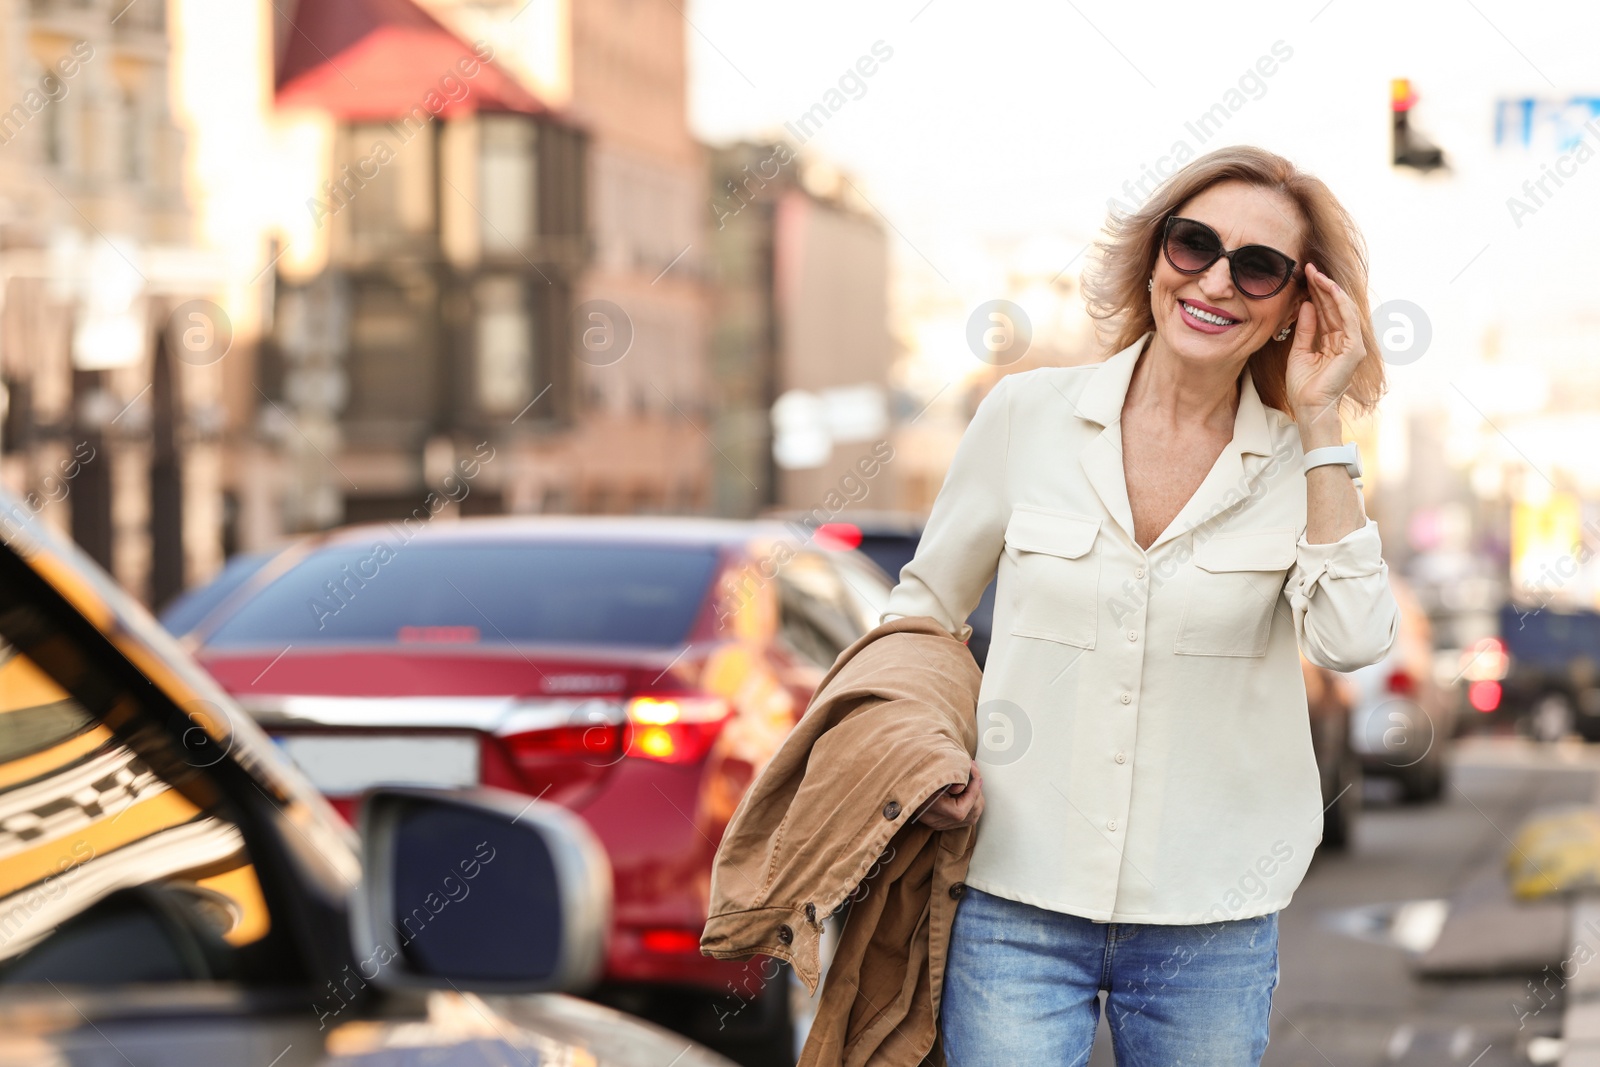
{"points": [[547, 722]]}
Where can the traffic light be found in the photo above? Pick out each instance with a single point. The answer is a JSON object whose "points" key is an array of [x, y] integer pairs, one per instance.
{"points": [[1411, 149]]}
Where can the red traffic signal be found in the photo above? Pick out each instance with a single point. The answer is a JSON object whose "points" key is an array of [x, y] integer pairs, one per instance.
{"points": [[1410, 149]]}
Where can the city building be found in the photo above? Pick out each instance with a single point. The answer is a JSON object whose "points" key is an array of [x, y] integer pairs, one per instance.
{"points": [[452, 231], [108, 343], [437, 325], [801, 350], [637, 440]]}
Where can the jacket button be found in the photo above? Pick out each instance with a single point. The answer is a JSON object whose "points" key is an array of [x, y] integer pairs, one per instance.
{"points": [[785, 934], [891, 810], [957, 889], [811, 912]]}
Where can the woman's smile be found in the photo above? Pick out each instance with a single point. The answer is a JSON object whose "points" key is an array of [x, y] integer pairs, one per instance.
{"points": [[1205, 318]]}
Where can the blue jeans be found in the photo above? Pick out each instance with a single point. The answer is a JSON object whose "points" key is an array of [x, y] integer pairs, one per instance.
{"points": [[1022, 984]]}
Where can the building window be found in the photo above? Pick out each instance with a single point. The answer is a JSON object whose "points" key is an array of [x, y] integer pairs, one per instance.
{"points": [[504, 346], [56, 120], [133, 138], [646, 215], [393, 375], [385, 180], [508, 183]]}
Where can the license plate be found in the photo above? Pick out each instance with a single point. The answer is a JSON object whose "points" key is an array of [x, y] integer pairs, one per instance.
{"points": [[341, 766]]}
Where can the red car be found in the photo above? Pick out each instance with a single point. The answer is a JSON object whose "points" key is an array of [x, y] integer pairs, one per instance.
{"points": [[639, 671]]}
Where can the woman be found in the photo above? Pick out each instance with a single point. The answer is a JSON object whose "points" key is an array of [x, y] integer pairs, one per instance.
{"points": [[1169, 536]]}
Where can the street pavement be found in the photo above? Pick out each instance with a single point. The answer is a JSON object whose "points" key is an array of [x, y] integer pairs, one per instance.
{"points": [[1349, 995]]}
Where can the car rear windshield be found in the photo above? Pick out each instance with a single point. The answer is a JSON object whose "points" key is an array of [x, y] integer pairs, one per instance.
{"points": [[491, 593]]}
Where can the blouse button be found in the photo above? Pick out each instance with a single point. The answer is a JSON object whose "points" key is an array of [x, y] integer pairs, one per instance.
{"points": [[1127, 698], [1133, 635], [1139, 573], [1122, 757], [1111, 824]]}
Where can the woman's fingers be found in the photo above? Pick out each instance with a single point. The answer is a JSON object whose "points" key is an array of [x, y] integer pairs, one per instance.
{"points": [[1329, 362], [1305, 329], [959, 805], [1329, 316], [972, 798], [1322, 290], [1338, 312], [1349, 314], [957, 809]]}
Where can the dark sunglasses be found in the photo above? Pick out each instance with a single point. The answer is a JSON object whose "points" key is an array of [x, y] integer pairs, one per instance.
{"points": [[1258, 270]]}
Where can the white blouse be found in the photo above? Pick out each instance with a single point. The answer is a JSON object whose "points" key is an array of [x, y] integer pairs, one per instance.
{"points": [[1145, 743]]}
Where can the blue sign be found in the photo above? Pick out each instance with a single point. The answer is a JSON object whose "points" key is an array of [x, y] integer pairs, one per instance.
{"points": [[1530, 122]]}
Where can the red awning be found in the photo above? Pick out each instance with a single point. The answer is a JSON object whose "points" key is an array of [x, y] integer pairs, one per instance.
{"points": [[366, 60]]}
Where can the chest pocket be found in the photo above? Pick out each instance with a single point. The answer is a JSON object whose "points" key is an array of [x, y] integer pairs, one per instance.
{"points": [[1058, 575], [1234, 590]]}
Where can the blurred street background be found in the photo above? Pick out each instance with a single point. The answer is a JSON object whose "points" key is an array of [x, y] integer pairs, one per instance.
{"points": [[277, 269], [273, 268]]}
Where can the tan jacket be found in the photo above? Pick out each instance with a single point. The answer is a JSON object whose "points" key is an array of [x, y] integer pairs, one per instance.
{"points": [[892, 723]]}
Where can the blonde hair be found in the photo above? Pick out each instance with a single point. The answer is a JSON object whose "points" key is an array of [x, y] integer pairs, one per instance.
{"points": [[1114, 284]]}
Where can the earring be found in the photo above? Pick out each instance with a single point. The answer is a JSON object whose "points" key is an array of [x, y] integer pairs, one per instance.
{"points": [[1150, 286], [1283, 334]]}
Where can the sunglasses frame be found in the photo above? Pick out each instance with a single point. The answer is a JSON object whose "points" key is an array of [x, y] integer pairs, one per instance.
{"points": [[1233, 270]]}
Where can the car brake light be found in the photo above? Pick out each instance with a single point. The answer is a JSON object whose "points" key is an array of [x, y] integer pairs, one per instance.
{"points": [[838, 536], [1400, 683], [1484, 696], [444, 635], [575, 740], [540, 745], [1486, 660], [670, 940], [538, 752], [674, 728]]}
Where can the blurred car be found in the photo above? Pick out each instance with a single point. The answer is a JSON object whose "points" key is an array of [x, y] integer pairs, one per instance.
{"points": [[173, 892], [637, 671], [1541, 674], [188, 608], [1404, 721], [1328, 702], [889, 539]]}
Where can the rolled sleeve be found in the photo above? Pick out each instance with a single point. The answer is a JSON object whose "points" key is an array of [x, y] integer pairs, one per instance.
{"points": [[1345, 615], [961, 543]]}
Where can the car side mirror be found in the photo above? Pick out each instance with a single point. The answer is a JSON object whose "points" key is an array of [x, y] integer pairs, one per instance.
{"points": [[479, 890]]}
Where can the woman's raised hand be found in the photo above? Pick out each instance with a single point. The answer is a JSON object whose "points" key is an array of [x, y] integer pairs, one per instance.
{"points": [[1327, 349]]}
